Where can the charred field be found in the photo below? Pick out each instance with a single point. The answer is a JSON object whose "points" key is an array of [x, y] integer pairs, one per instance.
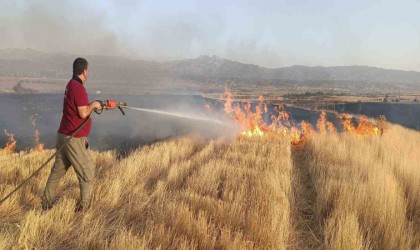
{"points": [[331, 182], [23, 114]]}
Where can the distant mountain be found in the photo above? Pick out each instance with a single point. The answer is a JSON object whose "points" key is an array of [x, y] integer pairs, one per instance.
{"points": [[213, 66], [111, 70]]}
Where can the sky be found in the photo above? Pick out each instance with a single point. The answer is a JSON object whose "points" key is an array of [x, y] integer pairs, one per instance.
{"points": [[380, 33]]}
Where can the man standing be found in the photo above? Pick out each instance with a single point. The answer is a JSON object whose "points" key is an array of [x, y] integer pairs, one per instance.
{"points": [[76, 109]]}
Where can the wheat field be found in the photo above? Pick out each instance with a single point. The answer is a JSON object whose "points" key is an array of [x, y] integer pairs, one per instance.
{"points": [[338, 191]]}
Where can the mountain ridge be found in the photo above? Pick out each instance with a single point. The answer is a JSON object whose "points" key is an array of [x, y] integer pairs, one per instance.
{"points": [[34, 63]]}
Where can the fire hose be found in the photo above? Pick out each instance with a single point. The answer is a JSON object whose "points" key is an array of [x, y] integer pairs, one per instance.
{"points": [[104, 104]]}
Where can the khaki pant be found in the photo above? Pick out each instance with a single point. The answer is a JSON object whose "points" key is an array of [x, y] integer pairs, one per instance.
{"points": [[75, 154]]}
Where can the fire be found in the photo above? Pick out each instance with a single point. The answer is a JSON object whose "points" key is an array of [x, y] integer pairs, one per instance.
{"points": [[228, 103], [323, 125], [11, 144], [254, 126], [254, 132], [295, 136], [307, 129], [331, 127], [251, 119], [38, 146], [364, 127]]}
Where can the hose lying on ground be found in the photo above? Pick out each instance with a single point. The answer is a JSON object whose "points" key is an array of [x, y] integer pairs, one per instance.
{"points": [[45, 163]]}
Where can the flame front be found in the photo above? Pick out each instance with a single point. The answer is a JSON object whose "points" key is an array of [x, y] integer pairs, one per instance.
{"points": [[254, 126]]}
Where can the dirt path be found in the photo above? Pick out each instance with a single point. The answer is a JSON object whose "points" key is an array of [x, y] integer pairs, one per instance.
{"points": [[309, 233]]}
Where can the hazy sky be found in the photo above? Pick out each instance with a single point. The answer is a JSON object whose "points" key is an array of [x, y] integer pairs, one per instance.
{"points": [[383, 33]]}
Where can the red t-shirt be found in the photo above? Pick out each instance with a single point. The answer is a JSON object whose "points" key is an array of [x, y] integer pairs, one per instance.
{"points": [[74, 96]]}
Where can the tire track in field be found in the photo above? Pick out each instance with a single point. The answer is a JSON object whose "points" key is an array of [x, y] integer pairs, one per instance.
{"points": [[307, 227]]}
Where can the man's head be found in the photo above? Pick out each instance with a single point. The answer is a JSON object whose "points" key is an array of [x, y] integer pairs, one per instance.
{"points": [[81, 69]]}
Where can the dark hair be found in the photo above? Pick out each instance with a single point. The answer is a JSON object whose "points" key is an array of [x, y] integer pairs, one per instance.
{"points": [[79, 65]]}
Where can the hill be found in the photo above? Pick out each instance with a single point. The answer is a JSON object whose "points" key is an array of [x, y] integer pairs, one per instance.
{"points": [[107, 72], [213, 66], [340, 191]]}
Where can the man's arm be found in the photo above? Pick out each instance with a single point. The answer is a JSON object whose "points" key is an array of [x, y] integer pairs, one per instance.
{"points": [[85, 111]]}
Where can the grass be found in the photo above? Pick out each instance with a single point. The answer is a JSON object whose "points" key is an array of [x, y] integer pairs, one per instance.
{"points": [[332, 192]]}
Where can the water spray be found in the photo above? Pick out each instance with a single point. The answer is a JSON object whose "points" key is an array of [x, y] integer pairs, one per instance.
{"points": [[123, 105], [179, 115]]}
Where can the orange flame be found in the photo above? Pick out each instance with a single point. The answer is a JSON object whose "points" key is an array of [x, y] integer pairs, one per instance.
{"points": [[364, 127], [253, 132], [322, 123], [295, 136], [331, 127], [228, 102], [11, 144], [253, 125], [38, 146], [307, 129]]}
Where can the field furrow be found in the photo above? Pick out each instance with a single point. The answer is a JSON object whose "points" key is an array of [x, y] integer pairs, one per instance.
{"points": [[336, 191]]}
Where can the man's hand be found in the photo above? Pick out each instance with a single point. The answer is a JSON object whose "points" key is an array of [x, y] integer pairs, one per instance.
{"points": [[85, 111], [97, 105]]}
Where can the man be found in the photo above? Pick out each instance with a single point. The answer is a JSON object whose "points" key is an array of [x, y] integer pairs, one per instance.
{"points": [[76, 109]]}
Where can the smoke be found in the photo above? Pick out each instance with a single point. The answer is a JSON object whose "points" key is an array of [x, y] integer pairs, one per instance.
{"points": [[64, 26], [136, 128], [268, 33], [112, 130], [88, 27]]}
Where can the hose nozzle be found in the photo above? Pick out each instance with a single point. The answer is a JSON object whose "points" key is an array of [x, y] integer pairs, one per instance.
{"points": [[111, 104], [121, 105]]}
